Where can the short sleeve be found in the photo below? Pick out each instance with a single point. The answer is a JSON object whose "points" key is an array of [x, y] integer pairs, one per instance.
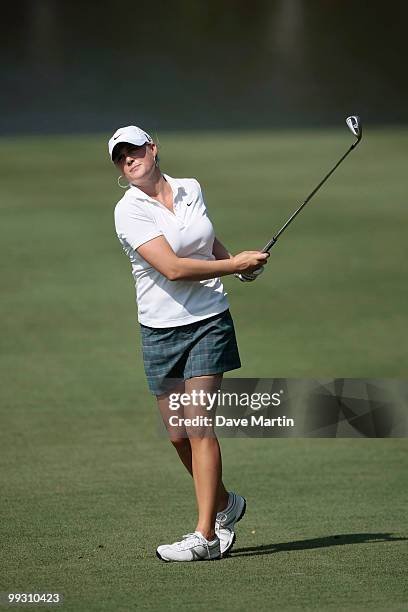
{"points": [[135, 225]]}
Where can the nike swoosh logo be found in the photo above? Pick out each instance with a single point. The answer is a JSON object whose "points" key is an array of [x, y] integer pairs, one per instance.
{"points": [[116, 137]]}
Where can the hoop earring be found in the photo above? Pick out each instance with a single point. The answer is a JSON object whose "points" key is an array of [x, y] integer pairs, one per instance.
{"points": [[120, 185]]}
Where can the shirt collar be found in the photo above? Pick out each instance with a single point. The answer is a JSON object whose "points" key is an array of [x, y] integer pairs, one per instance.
{"points": [[176, 186]]}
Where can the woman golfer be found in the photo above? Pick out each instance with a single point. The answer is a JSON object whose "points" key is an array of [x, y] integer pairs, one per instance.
{"points": [[188, 336]]}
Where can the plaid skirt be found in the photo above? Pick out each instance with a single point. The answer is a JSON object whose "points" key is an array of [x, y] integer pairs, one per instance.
{"points": [[204, 347]]}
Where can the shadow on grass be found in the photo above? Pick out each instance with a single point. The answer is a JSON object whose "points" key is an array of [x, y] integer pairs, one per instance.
{"points": [[334, 540]]}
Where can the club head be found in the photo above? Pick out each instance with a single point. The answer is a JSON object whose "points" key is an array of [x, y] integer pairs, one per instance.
{"points": [[354, 123]]}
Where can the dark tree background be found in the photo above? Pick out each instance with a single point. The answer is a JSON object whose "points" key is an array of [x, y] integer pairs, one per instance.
{"points": [[86, 66]]}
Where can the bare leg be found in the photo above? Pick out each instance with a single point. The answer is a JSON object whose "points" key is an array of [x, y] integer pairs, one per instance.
{"points": [[177, 435], [179, 438], [206, 458]]}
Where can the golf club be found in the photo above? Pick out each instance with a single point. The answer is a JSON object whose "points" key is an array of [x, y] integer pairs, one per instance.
{"points": [[354, 123]]}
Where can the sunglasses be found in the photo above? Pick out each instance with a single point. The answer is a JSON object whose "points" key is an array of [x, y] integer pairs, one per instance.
{"points": [[121, 154]]}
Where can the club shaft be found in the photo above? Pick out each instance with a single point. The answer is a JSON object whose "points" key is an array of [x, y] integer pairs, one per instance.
{"points": [[309, 197]]}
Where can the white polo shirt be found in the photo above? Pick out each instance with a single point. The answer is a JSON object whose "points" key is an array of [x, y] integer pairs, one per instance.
{"points": [[189, 231]]}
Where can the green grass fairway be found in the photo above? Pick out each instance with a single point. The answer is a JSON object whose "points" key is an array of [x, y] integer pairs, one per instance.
{"points": [[89, 488]]}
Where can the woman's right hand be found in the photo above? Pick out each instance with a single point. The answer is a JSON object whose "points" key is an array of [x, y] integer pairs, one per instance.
{"points": [[248, 261]]}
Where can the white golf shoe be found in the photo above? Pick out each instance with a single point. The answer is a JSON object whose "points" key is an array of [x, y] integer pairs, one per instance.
{"points": [[225, 521], [193, 547]]}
